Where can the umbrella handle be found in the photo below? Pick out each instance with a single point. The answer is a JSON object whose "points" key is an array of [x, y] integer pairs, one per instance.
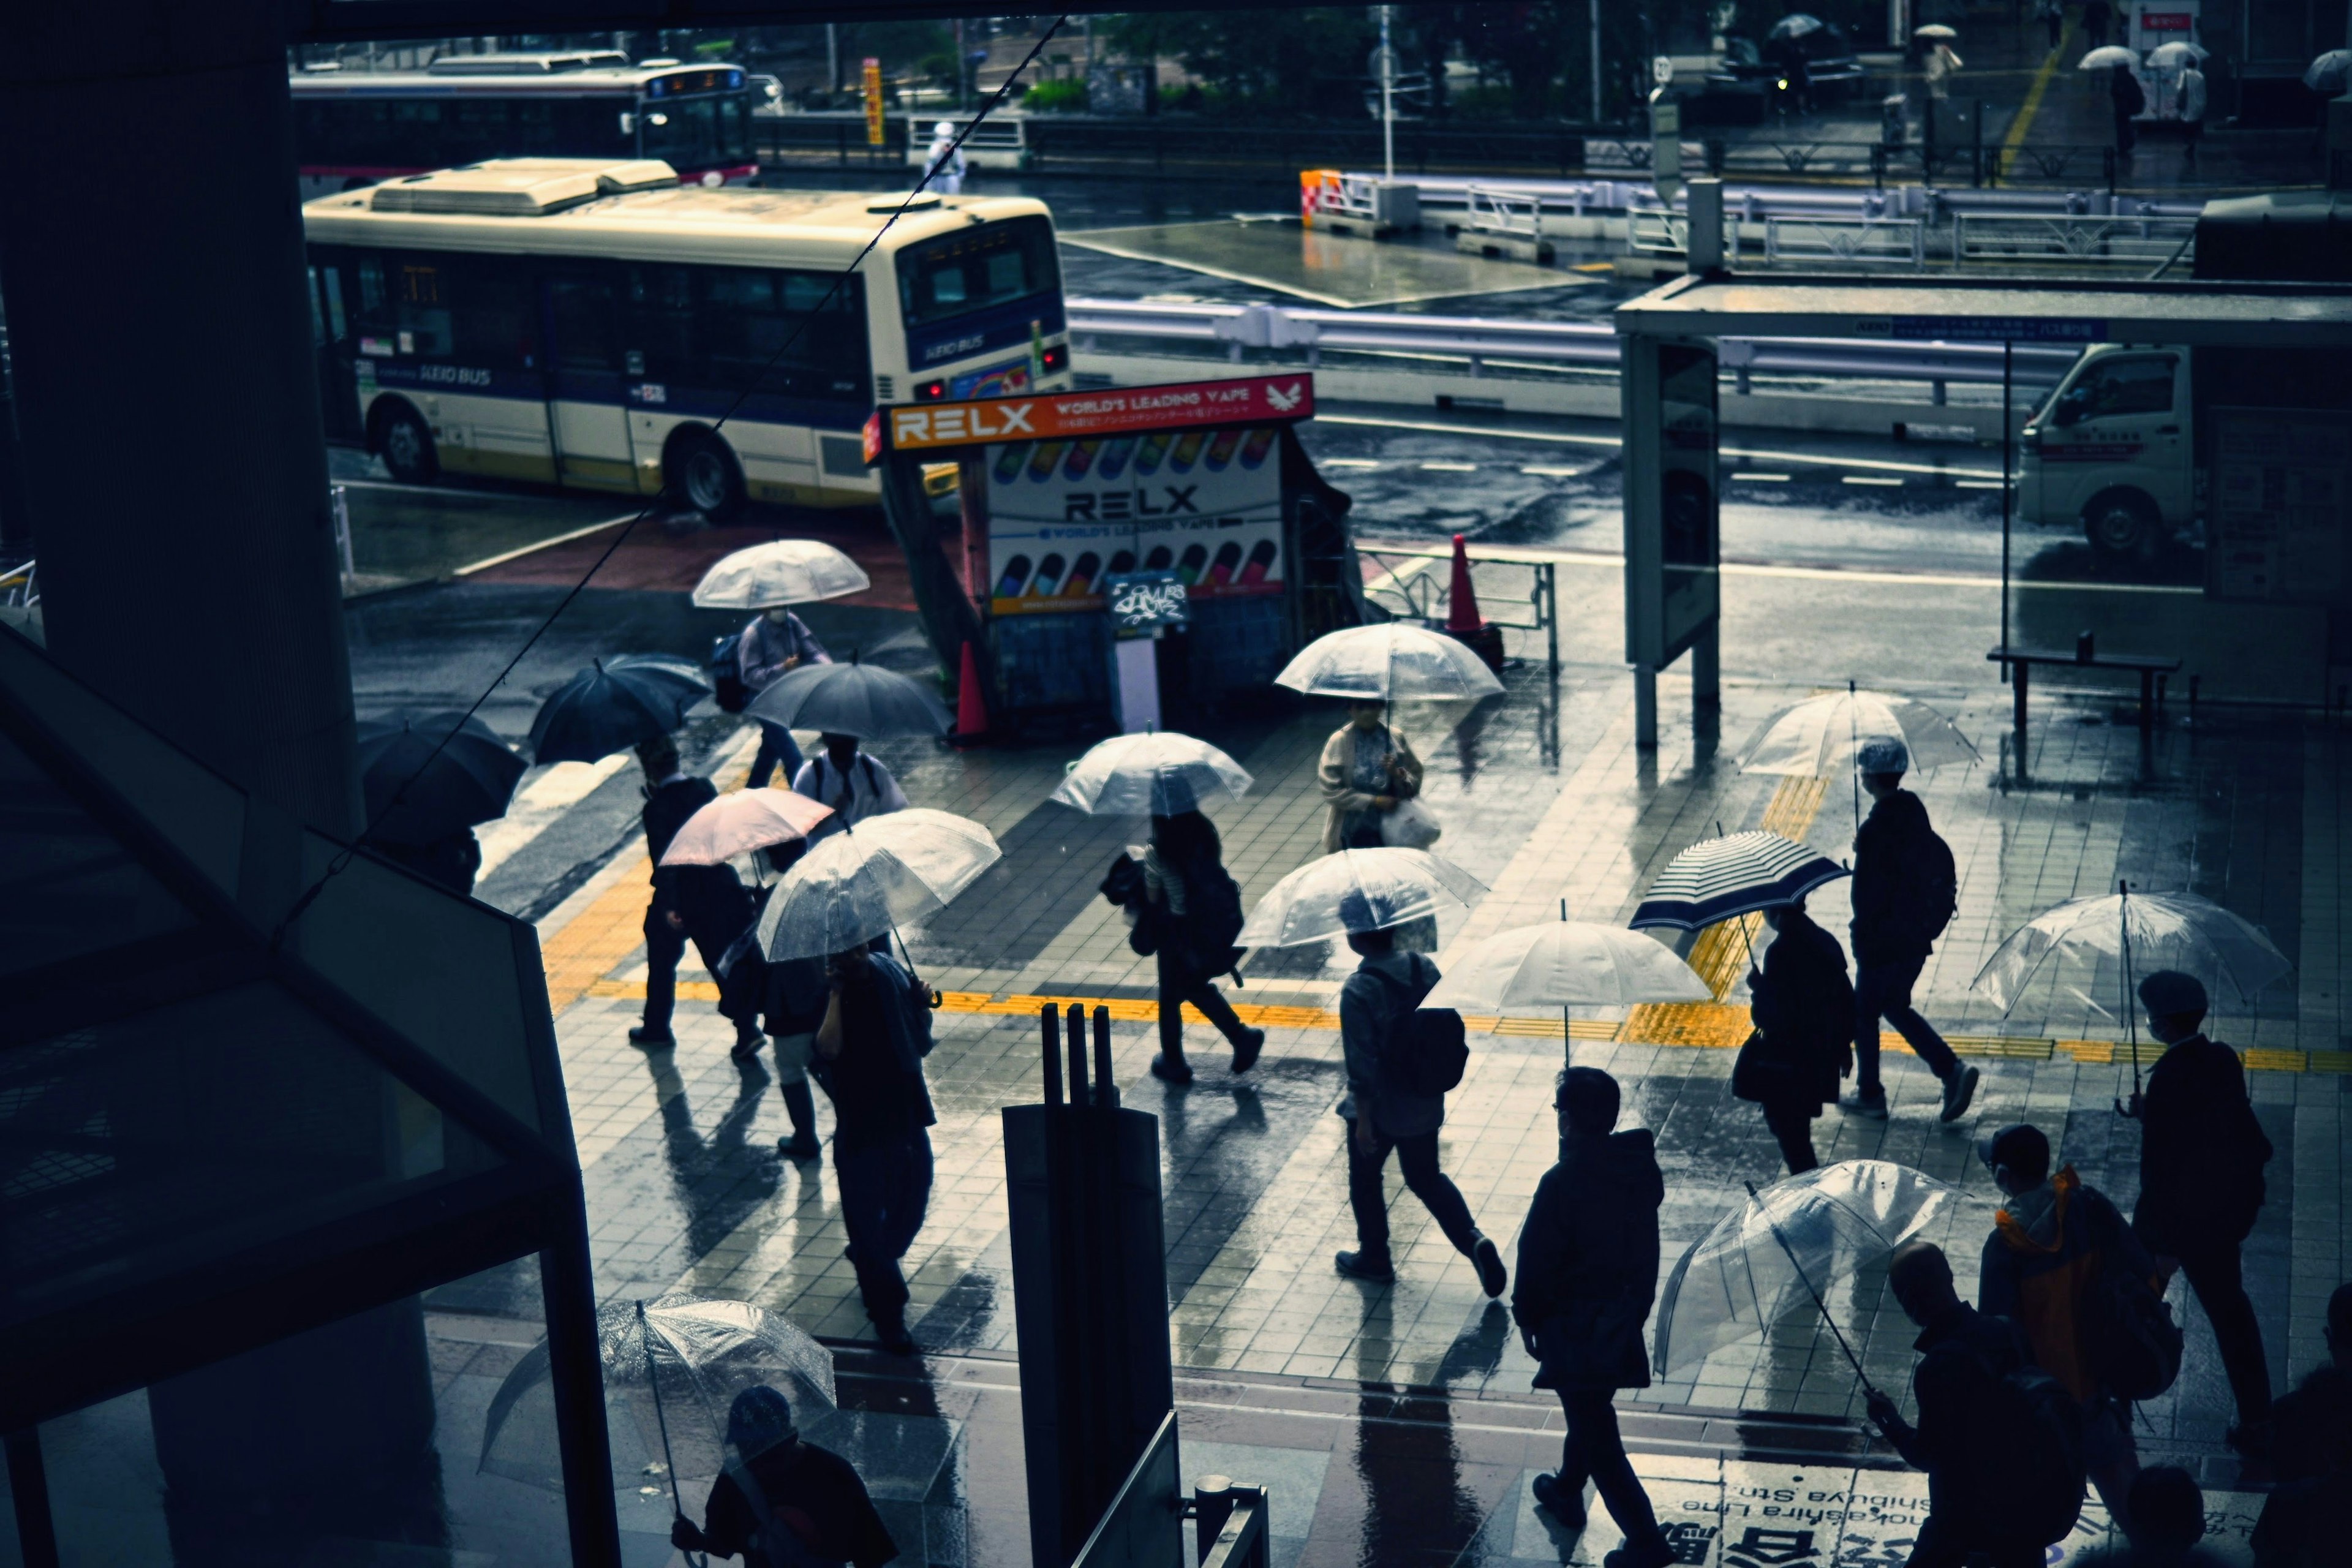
{"points": [[1819, 1306]]}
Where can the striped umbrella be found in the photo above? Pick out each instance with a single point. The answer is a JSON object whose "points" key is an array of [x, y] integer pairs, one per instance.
{"points": [[1719, 878]]}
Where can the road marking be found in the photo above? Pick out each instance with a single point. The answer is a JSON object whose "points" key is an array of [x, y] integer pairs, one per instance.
{"points": [[1552, 472], [1350, 462], [1977, 484], [1606, 561], [538, 803], [1763, 479], [1570, 438], [2019, 127], [1449, 468], [1867, 479], [517, 554]]}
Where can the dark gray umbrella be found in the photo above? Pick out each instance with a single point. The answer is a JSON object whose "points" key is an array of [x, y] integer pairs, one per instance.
{"points": [[852, 698], [614, 704], [428, 775]]}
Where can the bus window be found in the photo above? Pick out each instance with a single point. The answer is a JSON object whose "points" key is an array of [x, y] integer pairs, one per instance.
{"points": [[698, 132], [742, 329], [996, 264], [476, 310]]}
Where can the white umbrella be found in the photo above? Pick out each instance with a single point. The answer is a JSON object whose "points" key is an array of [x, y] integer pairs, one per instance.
{"points": [[2329, 72], [742, 821], [1559, 962], [880, 875], [1391, 662], [1935, 31], [1796, 25], [1160, 773], [2173, 56], [782, 572], [2106, 57], [1356, 890]]}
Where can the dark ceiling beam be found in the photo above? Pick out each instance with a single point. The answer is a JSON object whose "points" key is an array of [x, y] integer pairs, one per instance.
{"points": [[342, 21]]}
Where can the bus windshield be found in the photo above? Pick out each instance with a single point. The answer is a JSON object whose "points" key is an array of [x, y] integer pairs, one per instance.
{"points": [[988, 265], [700, 132]]}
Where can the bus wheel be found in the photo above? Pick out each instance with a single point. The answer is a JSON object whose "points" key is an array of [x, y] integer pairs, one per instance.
{"points": [[703, 474], [406, 442], [2120, 524]]}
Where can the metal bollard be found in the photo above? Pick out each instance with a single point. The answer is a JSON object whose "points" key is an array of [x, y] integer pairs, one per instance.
{"points": [[1212, 1504], [1052, 1021]]}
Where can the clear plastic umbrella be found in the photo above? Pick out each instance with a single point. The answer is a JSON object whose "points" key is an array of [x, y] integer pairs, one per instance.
{"points": [[1820, 737], [1391, 662], [2177, 54], [2105, 58], [782, 571], [1783, 1247], [867, 882], [739, 822], [669, 1377], [1354, 890], [1561, 963], [1795, 25], [2330, 72], [1163, 773]]}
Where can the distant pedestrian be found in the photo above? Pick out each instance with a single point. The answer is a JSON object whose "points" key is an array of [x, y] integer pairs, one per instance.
{"points": [[1904, 892], [2191, 90], [775, 643], [783, 1500], [1588, 1274], [696, 903], [1943, 64], [1977, 1431], [944, 160], [1194, 909], [2201, 1184], [1803, 1008], [2051, 1242], [2053, 17], [1797, 71], [794, 992], [870, 1047], [1384, 1112], [2096, 14], [2127, 98], [1367, 771], [849, 781]]}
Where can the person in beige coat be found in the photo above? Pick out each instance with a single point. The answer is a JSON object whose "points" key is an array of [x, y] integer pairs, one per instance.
{"points": [[1366, 772]]}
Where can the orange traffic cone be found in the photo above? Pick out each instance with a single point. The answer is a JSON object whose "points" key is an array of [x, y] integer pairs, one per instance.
{"points": [[971, 708], [1462, 618]]}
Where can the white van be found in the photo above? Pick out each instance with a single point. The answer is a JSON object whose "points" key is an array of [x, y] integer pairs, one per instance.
{"points": [[2111, 450]]}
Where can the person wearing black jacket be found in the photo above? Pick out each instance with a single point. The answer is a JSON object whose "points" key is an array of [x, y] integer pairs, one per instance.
{"points": [[1889, 948], [870, 1044], [1803, 1008], [1194, 913], [706, 904], [1587, 1273], [2200, 1183], [782, 1498], [1961, 1439]]}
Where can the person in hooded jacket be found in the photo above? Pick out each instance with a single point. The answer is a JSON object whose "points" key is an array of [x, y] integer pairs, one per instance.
{"points": [[2049, 1243], [1889, 948], [1587, 1273], [2200, 1183], [783, 1499], [1803, 1008]]}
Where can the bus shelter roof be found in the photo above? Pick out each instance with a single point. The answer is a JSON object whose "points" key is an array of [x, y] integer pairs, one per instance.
{"points": [[1963, 310]]}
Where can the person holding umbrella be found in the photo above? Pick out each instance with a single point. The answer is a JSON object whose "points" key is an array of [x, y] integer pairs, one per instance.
{"points": [[768, 579], [1367, 771], [1903, 894], [2127, 98], [1803, 1008], [783, 1499], [774, 643], [706, 904], [2200, 1183], [1195, 911], [848, 780], [1588, 1274]]}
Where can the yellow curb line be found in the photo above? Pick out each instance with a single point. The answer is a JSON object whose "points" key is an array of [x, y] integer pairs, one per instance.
{"points": [[2019, 127]]}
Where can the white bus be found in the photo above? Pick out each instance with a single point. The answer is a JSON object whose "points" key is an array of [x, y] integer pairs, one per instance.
{"points": [[354, 128], [588, 323]]}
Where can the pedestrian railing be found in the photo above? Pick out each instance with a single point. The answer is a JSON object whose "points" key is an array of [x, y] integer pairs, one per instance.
{"points": [[1514, 214], [1231, 1522], [1512, 591], [1658, 233], [999, 142], [20, 588], [2134, 241], [1889, 241]]}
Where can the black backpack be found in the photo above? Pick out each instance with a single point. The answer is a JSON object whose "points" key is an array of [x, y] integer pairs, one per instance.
{"points": [[727, 688], [2042, 1469], [1931, 890], [2135, 1344], [1213, 916], [1427, 1048]]}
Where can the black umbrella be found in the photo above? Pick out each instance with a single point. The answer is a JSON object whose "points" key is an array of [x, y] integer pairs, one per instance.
{"points": [[852, 698], [428, 775], [614, 704]]}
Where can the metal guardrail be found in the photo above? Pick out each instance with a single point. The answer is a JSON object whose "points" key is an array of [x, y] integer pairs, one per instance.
{"points": [[1898, 241], [20, 586], [1522, 594], [1514, 214], [1232, 1524], [1757, 200], [2123, 241], [1659, 233]]}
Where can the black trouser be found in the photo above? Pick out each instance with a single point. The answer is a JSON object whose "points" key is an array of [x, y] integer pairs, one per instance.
{"points": [[776, 747], [885, 1186], [1884, 991], [665, 945], [2214, 1274], [1938, 1546], [1178, 986], [1792, 1127], [1417, 1158], [1595, 1451]]}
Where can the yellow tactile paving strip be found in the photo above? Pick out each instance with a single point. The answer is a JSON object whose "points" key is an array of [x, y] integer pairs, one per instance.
{"points": [[597, 939]]}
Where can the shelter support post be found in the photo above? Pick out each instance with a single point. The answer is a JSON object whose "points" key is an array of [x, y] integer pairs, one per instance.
{"points": [[1671, 589]]}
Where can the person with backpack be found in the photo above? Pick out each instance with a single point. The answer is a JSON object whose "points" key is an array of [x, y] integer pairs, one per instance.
{"points": [[782, 1501], [1193, 908], [1803, 1008], [2000, 1443], [2062, 1264], [852, 783], [702, 904], [2200, 1183], [1400, 1063], [773, 645], [1905, 887], [1587, 1275], [870, 1046]]}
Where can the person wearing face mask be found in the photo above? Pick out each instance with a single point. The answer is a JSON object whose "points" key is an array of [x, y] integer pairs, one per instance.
{"points": [[774, 643], [1365, 771]]}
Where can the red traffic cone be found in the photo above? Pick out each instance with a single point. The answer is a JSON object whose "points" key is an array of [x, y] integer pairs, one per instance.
{"points": [[1462, 618], [971, 708]]}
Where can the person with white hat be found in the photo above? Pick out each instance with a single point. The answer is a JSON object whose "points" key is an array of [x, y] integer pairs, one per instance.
{"points": [[945, 161], [1905, 888]]}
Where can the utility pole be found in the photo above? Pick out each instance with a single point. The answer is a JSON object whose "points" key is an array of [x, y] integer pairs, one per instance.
{"points": [[1594, 9], [832, 56], [1388, 103]]}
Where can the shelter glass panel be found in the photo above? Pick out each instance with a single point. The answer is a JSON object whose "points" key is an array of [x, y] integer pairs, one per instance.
{"points": [[67, 886]]}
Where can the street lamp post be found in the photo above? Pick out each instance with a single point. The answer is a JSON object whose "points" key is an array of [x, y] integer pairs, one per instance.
{"points": [[1388, 103]]}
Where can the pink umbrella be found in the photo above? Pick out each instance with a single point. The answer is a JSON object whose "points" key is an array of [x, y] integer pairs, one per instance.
{"points": [[740, 823]]}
